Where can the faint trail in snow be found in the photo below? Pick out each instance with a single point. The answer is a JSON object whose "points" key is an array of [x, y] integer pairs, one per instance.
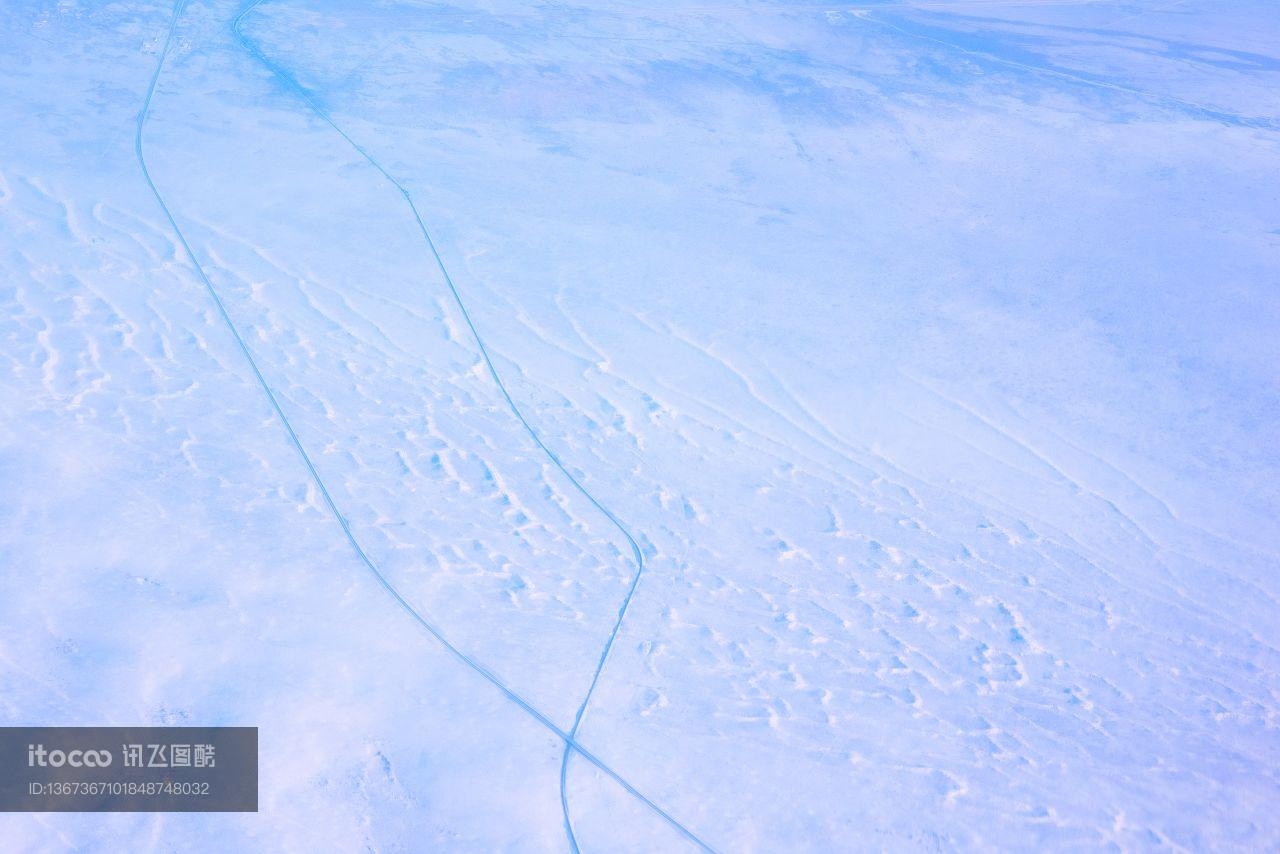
{"points": [[571, 744], [1168, 101]]}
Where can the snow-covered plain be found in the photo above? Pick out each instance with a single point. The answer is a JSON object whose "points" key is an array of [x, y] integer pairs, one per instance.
{"points": [[927, 353]]}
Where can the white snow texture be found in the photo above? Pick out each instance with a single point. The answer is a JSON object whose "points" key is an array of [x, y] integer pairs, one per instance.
{"points": [[650, 426]]}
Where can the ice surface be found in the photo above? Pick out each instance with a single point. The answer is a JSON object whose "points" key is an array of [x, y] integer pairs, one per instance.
{"points": [[927, 352]]}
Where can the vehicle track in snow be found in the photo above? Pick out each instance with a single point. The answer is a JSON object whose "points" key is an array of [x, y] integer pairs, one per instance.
{"points": [[571, 745]]}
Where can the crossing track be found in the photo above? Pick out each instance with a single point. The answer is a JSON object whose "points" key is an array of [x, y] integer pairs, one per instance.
{"points": [[569, 738]]}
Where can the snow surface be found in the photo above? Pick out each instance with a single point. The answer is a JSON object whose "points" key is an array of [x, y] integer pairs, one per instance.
{"points": [[926, 354]]}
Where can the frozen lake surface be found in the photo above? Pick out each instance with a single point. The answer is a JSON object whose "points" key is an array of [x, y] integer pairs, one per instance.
{"points": [[636, 427]]}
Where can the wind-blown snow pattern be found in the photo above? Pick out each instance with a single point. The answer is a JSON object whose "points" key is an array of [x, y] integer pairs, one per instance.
{"points": [[650, 427]]}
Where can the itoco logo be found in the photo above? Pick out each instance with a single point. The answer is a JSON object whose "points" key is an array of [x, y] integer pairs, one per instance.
{"points": [[37, 755]]}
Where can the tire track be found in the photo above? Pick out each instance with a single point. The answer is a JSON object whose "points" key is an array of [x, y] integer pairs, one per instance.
{"points": [[571, 745]]}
